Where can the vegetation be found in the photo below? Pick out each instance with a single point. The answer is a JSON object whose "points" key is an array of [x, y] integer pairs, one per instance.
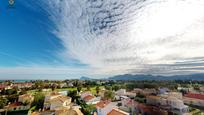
{"points": [[75, 86], [97, 90], [140, 98], [79, 88], [3, 102], [38, 100], [109, 95], [86, 109], [73, 95]]}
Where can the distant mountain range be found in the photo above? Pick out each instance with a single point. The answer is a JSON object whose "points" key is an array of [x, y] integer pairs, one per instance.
{"points": [[85, 78], [152, 77], [199, 77]]}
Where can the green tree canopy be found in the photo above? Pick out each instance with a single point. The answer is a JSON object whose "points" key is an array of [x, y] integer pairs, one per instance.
{"points": [[38, 100], [109, 95]]}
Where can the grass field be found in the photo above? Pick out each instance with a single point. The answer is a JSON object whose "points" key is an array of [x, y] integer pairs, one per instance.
{"points": [[93, 90]]}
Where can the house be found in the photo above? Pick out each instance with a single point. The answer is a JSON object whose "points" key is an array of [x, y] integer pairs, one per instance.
{"points": [[163, 90], [145, 91], [186, 89], [61, 101], [24, 103], [84, 94], [172, 103], [25, 98], [2, 86], [72, 111], [202, 89], [70, 84], [105, 106], [137, 90], [22, 85], [55, 101], [177, 105], [127, 105], [117, 112], [69, 112], [56, 104], [149, 110], [130, 94], [194, 99], [63, 93], [178, 95], [5, 86], [121, 92], [48, 98], [89, 99], [63, 85], [17, 106], [153, 100]]}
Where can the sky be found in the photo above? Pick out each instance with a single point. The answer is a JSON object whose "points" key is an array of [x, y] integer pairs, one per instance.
{"points": [[63, 39]]}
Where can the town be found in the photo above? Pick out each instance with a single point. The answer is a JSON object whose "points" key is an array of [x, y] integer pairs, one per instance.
{"points": [[101, 97]]}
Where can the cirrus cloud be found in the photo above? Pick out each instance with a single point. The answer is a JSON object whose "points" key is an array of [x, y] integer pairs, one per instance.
{"points": [[131, 36]]}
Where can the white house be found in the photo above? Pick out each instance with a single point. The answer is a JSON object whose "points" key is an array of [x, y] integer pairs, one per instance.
{"points": [[178, 95], [128, 105], [104, 107], [55, 101], [63, 93], [121, 92], [91, 99], [84, 94], [25, 98], [60, 102], [177, 104]]}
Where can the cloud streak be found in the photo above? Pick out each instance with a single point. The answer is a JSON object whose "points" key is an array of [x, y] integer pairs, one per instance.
{"points": [[131, 36]]}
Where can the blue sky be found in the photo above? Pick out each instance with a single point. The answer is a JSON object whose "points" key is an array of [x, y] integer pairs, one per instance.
{"points": [[24, 38], [59, 39]]}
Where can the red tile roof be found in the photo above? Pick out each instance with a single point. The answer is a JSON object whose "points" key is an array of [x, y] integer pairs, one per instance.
{"points": [[117, 112], [102, 104], [88, 97], [151, 110], [14, 104], [194, 95], [2, 86]]}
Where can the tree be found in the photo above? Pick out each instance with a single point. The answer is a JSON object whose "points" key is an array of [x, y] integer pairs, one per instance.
{"points": [[3, 102], [87, 109], [22, 92], [97, 90], [12, 98], [109, 95], [88, 88], [116, 87], [38, 100], [39, 85], [73, 95], [53, 87], [79, 87], [140, 98], [26, 102], [108, 87], [11, 91]]}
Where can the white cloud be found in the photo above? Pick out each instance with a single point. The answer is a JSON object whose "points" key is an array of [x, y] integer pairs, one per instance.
{"points": [[129, 36]]}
